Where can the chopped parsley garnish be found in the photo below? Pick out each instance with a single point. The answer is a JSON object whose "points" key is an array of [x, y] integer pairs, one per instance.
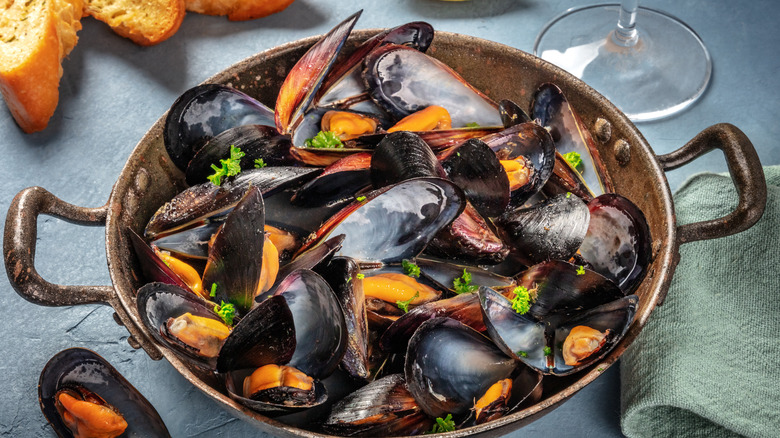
{"points": [[361, 198], [463, 284], [213, 292], [568, 195], [581, 270], [226, 311], [324, 139], [472, 125], [404, 305], [522, 354], [349, 279], [260, 163], [521, 303], [411, 269], [361, 276], [547, 351], [575, 160], [229, 167], [447, 424]]}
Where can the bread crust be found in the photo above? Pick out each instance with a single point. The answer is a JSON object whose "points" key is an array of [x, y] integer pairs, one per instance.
{"points": [[238, 10], [146, 22]]}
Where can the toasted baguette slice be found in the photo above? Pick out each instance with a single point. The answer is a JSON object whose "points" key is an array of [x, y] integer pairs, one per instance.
{"points": [[34, 37], [238, 10], [146, 22]]}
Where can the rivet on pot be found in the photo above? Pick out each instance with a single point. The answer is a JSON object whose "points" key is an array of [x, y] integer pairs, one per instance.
{"points": [[603, 130], [118, 320], [142, 180], [622, 152], [133, 343]]}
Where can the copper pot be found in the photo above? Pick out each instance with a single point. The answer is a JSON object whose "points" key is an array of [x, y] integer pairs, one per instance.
{"points": [[149, 179]]}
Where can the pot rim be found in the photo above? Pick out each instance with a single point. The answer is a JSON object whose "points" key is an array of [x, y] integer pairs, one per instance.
{"points": [[655, 283]]}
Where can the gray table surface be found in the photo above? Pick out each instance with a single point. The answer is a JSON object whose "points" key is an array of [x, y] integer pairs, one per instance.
{"points": [[112, 91]]}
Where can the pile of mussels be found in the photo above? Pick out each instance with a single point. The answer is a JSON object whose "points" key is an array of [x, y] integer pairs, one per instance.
{"points": [[317, 250]]}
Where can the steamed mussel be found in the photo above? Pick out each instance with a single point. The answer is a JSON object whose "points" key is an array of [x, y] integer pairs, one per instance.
{"points": [[389, 248]]}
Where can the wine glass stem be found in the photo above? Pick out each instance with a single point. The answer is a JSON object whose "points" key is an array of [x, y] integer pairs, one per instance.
{"points": [[625, 34]]}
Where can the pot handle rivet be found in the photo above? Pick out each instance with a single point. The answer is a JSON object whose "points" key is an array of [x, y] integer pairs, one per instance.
{"points": [[133, 343], [603, 130], [622, 152]]}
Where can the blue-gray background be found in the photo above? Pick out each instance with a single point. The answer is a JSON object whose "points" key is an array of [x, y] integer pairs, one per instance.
{"points": [[112, 91]]}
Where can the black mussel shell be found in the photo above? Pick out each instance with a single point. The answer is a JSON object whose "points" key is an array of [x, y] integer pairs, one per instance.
{"points": [[153, 267], [512, 114], [470, 239], [206, 202], [551, 230], [235, 257], [384, 407], [159, 302], [320, 255], [400, 156], [320, 329], [203, 112], [342, 274], [192, 243], [403, 81], [82, 368], [339, 181], [449, 365], [255, 141], [306, 76], [564, 179], [617, 244], [275, 401], [551, 109], [444, 273], [265, 335], [474, 167]]}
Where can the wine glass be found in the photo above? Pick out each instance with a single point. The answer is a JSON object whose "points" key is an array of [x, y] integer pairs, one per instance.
{"points": [[650, 70]]}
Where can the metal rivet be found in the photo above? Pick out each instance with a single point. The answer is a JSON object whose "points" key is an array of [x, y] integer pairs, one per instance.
{"points": [[142, 180], [118, 320], [133, 343], [622, 152], [603, 130]]}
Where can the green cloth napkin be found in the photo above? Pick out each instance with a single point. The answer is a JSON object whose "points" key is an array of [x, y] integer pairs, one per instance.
{"points": [[707, 364]]}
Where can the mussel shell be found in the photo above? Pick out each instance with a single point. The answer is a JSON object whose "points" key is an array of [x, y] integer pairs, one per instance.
{"points": [[320, 329], [512, 114], [449, 365], [470, 239], [265, 335], [235, 261], [153, 267], [551, 109], [85, 368], [617, 244], [341, 273], [474, 167], [317, 256], [397, 222], [206, 202], [158, 302], [553, 229], [400, 156], [191, 243], [340, 180], [256, 141], [204, 111], [384, 407], [403, 81], [444, 272], [234, 383]]}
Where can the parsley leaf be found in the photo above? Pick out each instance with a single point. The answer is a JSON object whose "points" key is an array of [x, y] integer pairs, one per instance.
{"points": [[229, 167], [226, 311], [581, 270], [522, 354], [404, 305], [213, 292], [463, 284], [411, 269], [472, 125], [547, 351], [361, 276], [260, 163], [324, 139], [575, 160], [360, 198], [521, 303], [446, 424]]}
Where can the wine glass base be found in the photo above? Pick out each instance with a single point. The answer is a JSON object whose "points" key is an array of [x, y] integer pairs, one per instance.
{"points": [[665, 72]]}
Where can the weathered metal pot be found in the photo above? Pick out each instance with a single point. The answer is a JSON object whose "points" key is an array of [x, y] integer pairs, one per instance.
{"points": [[149, 179]]}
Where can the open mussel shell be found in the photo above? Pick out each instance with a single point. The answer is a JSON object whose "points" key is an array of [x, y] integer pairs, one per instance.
{"points": [[234, 382], [403, 80], [554, 229], [191, 243], [153, 267], [203, 112], [235, 258], [320, 330], [397, 222], [400, 156], [206, 202], [306, 76], [512, 114], [449, 365], [384, 407], [342, 274], [475, 168], [255, 141], [79, 367], [469, 239], [444, 273], [340, 180], [617, 244], [533, 146], [551, 110]]}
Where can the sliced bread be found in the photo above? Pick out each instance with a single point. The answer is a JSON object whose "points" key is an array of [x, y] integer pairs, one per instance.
{"points": [[34, 37], [145, 22], [238, 10]]}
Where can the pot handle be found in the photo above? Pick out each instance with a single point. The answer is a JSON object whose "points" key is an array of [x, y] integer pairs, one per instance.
{"points": [[21, 231], [745, 170]]}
